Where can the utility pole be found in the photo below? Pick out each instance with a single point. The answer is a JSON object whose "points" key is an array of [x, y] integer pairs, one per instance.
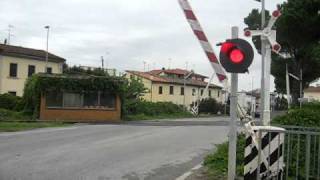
{"points": [[144, 66], [10, 27], [47, 53], [301, 88], [102, 62], [288, 86], [232, 154]]}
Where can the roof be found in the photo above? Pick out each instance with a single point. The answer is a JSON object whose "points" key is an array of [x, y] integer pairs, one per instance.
{"points": [[152, 76], [22, 52], [175, 71], [312, 89]]}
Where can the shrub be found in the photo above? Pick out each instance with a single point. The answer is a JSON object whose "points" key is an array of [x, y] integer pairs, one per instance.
{"points": [[8, 115], [307, 116], [210, 105], [152, 108], [10, 102]]}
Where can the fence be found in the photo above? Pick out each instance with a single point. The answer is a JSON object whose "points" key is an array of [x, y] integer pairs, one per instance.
{"points": [[301, 152]]}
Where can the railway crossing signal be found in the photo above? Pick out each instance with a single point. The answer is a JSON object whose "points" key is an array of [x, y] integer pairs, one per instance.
{"points": [[236, 55], [267, 32]]}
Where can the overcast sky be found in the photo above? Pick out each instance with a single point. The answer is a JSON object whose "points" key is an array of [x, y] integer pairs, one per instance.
{"points": [[128, 32]]}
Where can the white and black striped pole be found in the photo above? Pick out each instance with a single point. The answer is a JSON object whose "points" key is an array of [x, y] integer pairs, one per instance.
{"points": [[233, 118]]}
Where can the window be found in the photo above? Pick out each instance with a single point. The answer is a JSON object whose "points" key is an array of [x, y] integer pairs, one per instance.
{"points": [[13, 70], [13, 93], [171, 90], [193, 92], [49, 70], [108, 100], [218, 93], [80, 100], [201, 92], [209, 93], [160, 89], [72, 99], [31, 70], [182, 91], [90, 99], [54, 99]]}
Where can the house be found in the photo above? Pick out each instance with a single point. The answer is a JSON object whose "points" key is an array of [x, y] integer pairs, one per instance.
{"points": [[247, 101], [176, 85], [312, 93], [89, 99], [18, 63]]}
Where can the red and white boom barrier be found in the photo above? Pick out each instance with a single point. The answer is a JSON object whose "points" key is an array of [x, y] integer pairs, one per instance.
{"points": [[206, 46]]}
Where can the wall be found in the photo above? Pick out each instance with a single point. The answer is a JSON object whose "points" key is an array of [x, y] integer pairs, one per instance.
{"points": [[80, 115], [312, 95], [17, 84], [177, 98]]}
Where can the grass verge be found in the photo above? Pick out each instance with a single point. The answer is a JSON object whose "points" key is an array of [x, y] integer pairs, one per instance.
{"points": [[216, 163], [21, 126], [11, 121]]}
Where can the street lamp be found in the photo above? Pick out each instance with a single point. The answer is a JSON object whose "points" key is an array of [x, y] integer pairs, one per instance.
{"points": [[47, 53]]}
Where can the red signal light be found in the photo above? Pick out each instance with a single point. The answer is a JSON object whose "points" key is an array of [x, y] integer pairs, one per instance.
{"points": [[227, 47], [236, 56]]}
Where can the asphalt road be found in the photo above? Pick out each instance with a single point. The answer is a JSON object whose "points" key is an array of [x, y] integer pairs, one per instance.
{"points": [[132, 151]]}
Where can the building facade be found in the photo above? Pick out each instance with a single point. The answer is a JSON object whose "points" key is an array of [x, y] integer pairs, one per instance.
{"points": [[312, 93], [19, 63], [177, 86]]}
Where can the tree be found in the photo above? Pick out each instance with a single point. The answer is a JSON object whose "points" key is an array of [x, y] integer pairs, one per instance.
{"points": [[298, 32]]}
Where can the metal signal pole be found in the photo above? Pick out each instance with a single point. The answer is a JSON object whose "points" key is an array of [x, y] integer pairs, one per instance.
{"points": [[233, 119], [263, 55]]}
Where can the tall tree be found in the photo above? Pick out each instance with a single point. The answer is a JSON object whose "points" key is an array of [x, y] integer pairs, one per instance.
{"points": [[298, 32]]}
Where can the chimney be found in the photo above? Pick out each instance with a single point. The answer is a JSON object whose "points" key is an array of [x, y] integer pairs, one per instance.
{"points": [[5, 42]]}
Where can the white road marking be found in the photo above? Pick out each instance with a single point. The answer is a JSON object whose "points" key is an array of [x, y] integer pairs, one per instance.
{"points": [[187, 174]]}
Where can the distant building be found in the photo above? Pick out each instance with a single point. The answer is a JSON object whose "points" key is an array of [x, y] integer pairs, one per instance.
{"points": [[256, 93], [312, 93], [19, 63], [247, 101], [176, 85]]}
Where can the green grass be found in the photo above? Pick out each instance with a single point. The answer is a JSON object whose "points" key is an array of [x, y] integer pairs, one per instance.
{"points": [[140, 117], [21, 126], [217, 162], [11, 121]]}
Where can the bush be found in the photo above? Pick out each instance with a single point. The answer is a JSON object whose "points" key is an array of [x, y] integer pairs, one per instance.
{"points": [[8, 115], [10, 102], [211, 106], [141, 107], [307, 116]]}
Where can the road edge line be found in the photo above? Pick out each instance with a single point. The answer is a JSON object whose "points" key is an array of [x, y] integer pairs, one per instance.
{"points": [[187, 174]]}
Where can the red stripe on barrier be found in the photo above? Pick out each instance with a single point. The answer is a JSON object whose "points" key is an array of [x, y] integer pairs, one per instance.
{"points": [[221, 77], [190, 15], [200, 35], [212, 57]]}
